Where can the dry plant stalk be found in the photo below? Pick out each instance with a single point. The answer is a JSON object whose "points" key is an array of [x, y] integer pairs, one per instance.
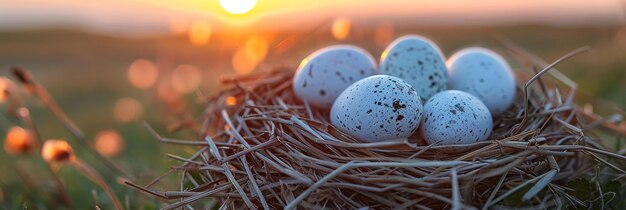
{"points": [[270, 151], [30, 84], [57, 152]]}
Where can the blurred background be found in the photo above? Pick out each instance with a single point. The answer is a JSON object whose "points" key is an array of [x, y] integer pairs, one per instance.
{"points": [[113, 64]]}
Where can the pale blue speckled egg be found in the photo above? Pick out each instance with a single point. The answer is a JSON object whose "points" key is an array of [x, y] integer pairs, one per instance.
{"points": [[455, 117], [484, 74], [418, 61], [323, 75], [377, 108]]}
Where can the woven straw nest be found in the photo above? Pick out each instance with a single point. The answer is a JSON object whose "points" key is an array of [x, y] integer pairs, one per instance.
{"points": [[267, 150]]}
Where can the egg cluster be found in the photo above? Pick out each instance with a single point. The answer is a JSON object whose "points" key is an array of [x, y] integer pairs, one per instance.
{"points": [[414, 89]]}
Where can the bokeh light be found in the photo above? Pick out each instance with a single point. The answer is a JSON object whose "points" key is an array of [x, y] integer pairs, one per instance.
{"points": [[142, 73], [109, 143], [167, 93], [186, 78], [19, 141], [199, 32], [5, 86], [384, 34], [257, 46], [341, 28], [56, 150], [231, 101], [250, 55], [172, 99], [242, 62], [237, 6], [127, 110]]}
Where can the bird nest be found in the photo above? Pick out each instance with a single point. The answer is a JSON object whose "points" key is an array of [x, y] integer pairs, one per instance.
{"points": [[263, 148]]}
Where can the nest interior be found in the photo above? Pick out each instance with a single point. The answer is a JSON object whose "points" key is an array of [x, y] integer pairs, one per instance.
{"points": [[260, 147]]}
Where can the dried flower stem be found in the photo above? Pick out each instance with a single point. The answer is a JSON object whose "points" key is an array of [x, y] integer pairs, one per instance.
{"points": [[24, 114], [96, 178], [29, 82]]}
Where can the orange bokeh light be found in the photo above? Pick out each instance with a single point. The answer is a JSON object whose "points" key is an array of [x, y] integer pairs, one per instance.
{"points": [[257, 47], [171, 97], [19, 141], [109, 143], [127, 110], [142, 73], [5, 86], [242, 62], [231, 101], [250, 55], [341, 28], [167, 93], [186, 78], [55, 150], [199, 32], [384, 34]]}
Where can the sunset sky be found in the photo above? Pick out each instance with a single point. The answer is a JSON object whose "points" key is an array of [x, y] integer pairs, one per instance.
{"points": [[160, 16]]}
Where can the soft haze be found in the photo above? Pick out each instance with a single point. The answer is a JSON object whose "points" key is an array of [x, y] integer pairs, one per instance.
{"points": [[130, 17]]}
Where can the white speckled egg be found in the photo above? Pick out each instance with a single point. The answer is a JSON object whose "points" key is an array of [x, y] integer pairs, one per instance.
{"points": [[455, 117], [484, 74], [377, 108], [323, 75], [418, 61]]}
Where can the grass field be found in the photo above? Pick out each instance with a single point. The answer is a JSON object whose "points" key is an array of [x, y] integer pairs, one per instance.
{"points": [[86, 73]]}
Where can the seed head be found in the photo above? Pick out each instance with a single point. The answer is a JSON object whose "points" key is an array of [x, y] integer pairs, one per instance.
{"points": [[56, 150], [19, 141]]}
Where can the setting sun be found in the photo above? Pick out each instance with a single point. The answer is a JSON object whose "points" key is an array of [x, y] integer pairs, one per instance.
{"points": [[237, 6]]}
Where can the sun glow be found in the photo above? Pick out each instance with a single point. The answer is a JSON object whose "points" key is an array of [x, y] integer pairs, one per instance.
{"points": [[237, 6]]}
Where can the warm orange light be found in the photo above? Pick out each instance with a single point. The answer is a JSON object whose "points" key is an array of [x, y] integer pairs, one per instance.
{"points": [[242, 62], [178, 26], [250, 55], [341, 28], [6, 86], [19, 141], [257, 47], [142, 73], [171, 97], [231, 101], [383, 55], [199, 33], [237, 6], [109, 143], [57, 150], [167, 93], [383, 34], [186, 78], [127, 110]]}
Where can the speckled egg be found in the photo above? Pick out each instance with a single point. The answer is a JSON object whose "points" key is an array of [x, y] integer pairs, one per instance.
{"points": [[455, 117], [377, 108], [323, 75], [484, 74], [418, 61]]}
